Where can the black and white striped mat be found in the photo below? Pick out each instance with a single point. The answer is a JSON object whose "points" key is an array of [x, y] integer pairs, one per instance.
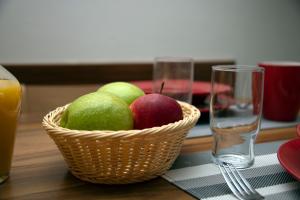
{"points": [[195, 174]]}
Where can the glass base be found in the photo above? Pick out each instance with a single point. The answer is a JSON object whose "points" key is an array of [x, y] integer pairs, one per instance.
{"points": [[3, 178], [239, 161]]}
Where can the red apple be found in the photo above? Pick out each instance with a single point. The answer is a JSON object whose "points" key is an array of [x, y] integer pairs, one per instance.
{"points": [[155, 110]]}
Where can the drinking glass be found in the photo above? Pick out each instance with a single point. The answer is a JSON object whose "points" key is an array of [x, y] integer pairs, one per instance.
{"points": [[177, 74], [10, 101], [235, 115]]}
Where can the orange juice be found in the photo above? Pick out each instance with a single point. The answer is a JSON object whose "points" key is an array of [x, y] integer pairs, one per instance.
{"points": [[10, 100]]}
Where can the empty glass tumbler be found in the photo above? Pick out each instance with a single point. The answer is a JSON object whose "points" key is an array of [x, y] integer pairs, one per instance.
{"points": [[235, 115], [177, 74]]}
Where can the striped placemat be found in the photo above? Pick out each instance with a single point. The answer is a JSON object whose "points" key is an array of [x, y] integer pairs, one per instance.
{"points": [[195, 174]]}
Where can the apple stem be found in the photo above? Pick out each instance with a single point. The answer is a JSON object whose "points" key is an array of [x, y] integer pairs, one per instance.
{"points": [[162, 87]]}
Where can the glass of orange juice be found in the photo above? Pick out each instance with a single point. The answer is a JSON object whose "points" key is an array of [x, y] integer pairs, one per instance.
{"points": [[10, 103]]}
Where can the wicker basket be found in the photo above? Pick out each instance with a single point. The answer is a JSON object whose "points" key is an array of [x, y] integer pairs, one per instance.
{"points": [[120, 157]]}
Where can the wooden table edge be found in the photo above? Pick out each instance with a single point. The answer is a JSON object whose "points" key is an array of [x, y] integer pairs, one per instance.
{"points": [[204, 143]]}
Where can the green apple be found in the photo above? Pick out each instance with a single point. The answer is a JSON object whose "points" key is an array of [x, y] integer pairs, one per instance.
{"points": [[126, 91], [98, 111]]}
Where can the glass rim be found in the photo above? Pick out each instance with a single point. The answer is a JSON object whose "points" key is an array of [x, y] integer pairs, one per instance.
{"points": [[279, 64], [173, 59], [238, 68]]}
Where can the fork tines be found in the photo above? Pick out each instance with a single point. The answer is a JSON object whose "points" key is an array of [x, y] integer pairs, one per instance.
{"points": [[237, 183]]}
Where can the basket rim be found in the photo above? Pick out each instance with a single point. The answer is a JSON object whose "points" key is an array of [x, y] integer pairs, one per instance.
{"points": [[53, 128]]}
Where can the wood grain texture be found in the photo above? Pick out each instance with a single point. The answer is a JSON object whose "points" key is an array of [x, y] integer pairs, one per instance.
{"points": [[38, 100]]}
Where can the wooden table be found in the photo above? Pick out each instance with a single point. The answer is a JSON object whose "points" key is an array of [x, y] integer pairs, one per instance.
{"points": [[39, 171]]}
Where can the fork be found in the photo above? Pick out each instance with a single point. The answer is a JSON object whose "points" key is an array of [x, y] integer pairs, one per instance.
{"points": [[237, 183]]}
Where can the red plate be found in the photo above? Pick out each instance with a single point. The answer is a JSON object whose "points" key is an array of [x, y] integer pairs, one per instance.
{"points": [[289, 157], [199, 87]]}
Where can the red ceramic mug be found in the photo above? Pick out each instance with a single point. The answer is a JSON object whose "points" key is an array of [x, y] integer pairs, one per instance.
{"points": [[281, 90]]}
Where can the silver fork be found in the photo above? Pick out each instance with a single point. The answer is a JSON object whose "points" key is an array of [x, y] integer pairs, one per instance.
{"points": [[237, 183]]}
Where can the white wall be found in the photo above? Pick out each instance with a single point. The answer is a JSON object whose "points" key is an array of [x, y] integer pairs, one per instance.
{"points": [[102, 30]]}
